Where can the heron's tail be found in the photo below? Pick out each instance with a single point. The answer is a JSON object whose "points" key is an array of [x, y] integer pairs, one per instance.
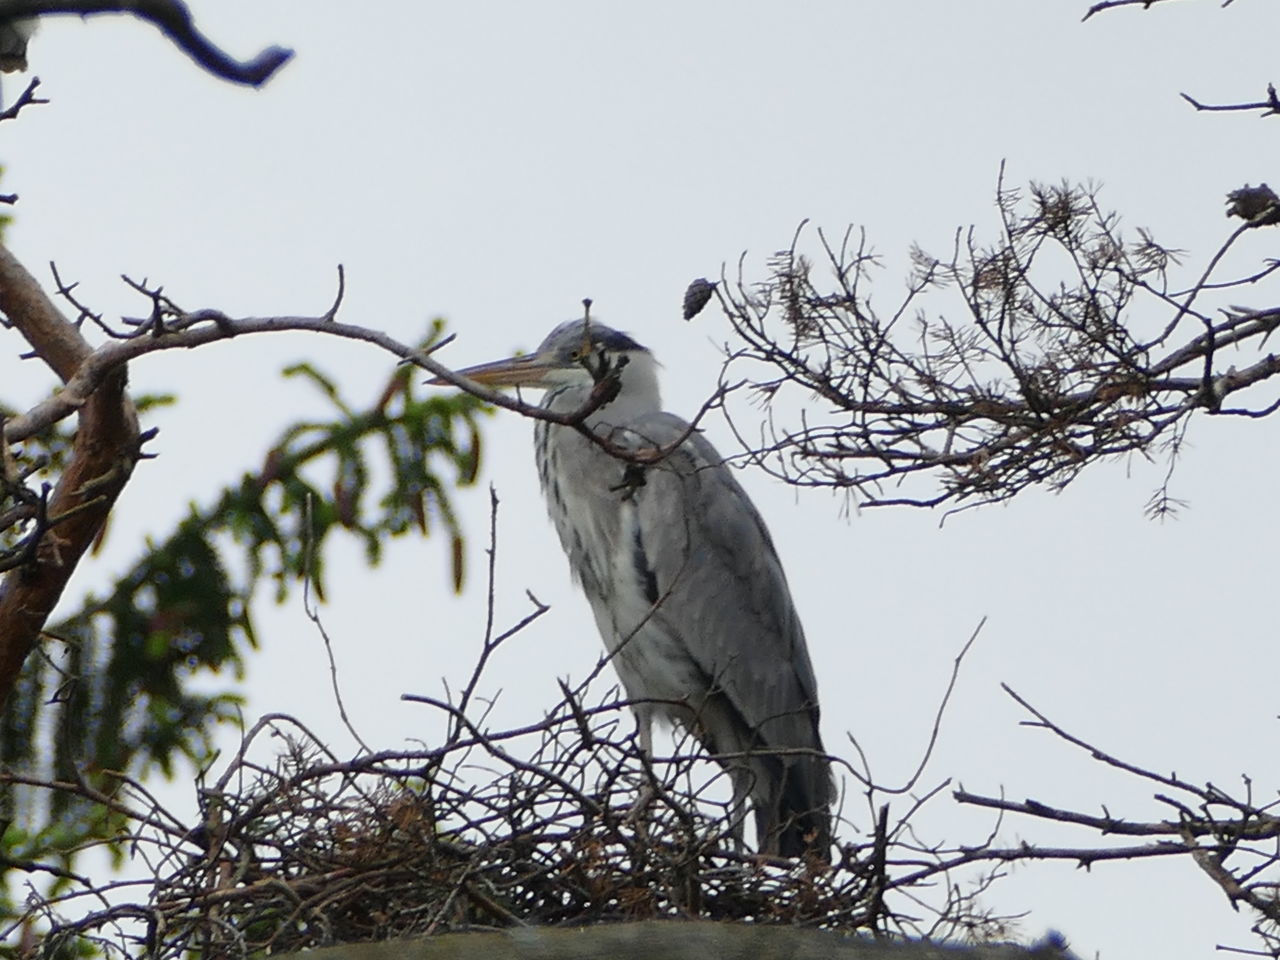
{"points": [[794, 818], [781, 767]]}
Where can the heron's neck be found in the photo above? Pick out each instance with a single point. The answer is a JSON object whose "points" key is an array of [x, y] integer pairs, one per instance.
{"points": [[638, 394]]}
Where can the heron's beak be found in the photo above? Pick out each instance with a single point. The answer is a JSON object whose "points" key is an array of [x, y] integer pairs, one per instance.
{"points": [[526, 371]]}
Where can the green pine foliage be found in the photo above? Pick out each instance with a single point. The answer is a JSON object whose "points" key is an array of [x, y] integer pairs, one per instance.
{"points": [[134, 682], [5, 217]]}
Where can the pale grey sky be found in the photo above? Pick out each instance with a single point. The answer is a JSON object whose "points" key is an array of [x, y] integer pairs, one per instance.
{"points": [[495, 163]]}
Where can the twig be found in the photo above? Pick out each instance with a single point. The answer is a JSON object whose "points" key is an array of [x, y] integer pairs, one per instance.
{"points": [[25, 99], [1269, 106]]}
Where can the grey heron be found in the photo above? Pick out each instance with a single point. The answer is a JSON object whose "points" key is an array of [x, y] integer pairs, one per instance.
{"points": [[682, 576]]}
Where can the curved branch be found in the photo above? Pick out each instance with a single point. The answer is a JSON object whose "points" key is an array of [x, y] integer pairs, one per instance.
{"points": [[174, 20], [53, 338], [202, 327], [1102, 5], [188, 330], [102, 458]]}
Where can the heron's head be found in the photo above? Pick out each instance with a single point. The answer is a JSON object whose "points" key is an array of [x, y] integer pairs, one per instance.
{"points": [[576, 353]]}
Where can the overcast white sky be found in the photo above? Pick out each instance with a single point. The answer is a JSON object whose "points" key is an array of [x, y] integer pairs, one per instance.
{"points": [[495, 163]]}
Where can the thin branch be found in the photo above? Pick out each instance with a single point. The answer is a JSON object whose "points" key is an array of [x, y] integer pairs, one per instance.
{"points": [[1265, 828], [1269, 107], [1027, 381], [25, 99], [1112, 4]]}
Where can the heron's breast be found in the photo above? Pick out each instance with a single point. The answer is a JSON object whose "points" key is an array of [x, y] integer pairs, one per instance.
{"points": [[651, 657], [600, 529]]}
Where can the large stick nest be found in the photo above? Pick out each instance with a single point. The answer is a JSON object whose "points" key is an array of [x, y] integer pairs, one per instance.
{"points": [[538, 825]]}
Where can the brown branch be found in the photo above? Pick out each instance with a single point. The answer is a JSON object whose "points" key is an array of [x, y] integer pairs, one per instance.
{"points": [[174, 20], [293, 853], [152, 815], [101, 460], [194, 330], [53, 338], [201, 327]]}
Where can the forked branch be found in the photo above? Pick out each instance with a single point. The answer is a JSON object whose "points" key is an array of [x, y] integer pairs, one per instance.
{"points": [[1008, 363]]}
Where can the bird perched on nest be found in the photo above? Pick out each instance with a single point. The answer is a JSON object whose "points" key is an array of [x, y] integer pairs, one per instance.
{"points": [[682, 576]]}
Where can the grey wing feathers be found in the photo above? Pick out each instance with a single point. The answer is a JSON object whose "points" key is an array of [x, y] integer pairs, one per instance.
{"points": [[723, 591], [712, 552]]}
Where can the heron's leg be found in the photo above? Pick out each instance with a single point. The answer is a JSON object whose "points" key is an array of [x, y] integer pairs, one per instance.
{"points": [[645, 794], [738, 809], [644, 729]]}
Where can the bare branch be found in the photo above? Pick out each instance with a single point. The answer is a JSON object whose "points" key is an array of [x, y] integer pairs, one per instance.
{"points": [[540, 832], [105, 449], [174, 20], [1209, 825], [1269, 106], [1112, 4], [25, 99], [1035, 369]]}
